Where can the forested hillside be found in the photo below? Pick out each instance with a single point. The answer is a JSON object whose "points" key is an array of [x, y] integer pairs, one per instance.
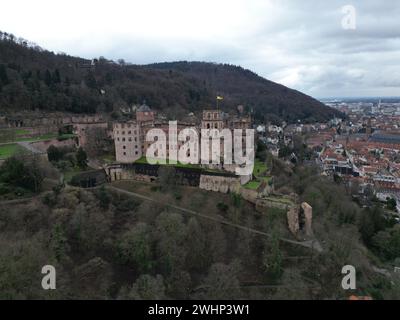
{"points": [[108, 245], [32, 78]]}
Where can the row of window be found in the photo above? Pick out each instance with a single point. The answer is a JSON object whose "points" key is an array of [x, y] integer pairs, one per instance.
{"points": [[209, 125], [124, 139], [124, 147], [136, 153], [129, 132], [128, 125], [210, 115]]}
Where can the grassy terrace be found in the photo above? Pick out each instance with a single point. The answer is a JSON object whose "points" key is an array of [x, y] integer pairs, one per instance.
{"points": [[39, 138], [281, 200], [20, 135], [252, 185], [21, 132], [259, 169], [8, 150]]}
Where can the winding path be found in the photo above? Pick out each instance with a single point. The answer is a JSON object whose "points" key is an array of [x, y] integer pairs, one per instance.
{"points": [[312, 244]]}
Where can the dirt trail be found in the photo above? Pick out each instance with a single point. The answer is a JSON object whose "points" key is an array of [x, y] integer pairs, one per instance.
{"points": [[312, 244]]}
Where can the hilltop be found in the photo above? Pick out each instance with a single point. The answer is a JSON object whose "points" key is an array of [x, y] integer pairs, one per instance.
{"points": [[32, 78]]}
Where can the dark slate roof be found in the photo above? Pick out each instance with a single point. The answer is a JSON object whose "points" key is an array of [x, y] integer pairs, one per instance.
{"points": [[144, 108]]}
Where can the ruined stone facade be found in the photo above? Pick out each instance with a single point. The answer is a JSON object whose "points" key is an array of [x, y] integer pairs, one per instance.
{"points": [[130, 136], [308, 213], [293, 220], [213, 119], [81, 129], [300, 219]]}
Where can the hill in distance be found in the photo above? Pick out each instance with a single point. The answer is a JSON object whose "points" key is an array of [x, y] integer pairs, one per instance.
{"points": [[32, 78]]}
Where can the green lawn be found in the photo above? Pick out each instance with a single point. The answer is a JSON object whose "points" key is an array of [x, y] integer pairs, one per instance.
{"points": [[44, 137], [252, 185], [21, 132], [8, 150], [281, 200], [259, 168]]}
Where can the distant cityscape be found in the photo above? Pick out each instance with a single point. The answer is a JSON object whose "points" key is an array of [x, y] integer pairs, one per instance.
{"points": [[361, 150]]}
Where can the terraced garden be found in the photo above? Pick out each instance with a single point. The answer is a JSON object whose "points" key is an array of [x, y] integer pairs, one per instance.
{"points": [[260, 168]]}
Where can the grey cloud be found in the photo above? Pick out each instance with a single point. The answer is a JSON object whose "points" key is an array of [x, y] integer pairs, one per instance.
{"points": [[298, 43]]}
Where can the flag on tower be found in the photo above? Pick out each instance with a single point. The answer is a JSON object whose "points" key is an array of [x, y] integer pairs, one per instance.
{"points": [[220, 98]]}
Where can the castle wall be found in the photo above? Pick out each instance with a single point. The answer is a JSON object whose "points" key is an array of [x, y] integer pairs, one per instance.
{"points": [[273, 203], [185, 176], [293, 220], [295, 214], [308, 213], [219, 184]]}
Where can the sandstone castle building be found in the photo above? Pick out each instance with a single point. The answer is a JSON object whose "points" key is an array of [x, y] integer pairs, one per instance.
{"points": [[130, 135]]}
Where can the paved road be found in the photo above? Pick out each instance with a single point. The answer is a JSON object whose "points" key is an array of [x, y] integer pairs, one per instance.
{"points": [[313, 244], [27, 145]]}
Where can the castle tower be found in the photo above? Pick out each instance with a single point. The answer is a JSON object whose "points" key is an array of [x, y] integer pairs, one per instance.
{"points": [[212, 119]]}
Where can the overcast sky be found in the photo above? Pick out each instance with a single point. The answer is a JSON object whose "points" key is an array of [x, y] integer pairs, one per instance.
{"points": [[299, 43]]}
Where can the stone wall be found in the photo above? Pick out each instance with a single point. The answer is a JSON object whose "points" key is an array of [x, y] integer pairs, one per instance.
{"points": [[220, 184], [277, 203], [116, 173], [296, 216], [223, 183], [293, 220], [308, 213]]}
